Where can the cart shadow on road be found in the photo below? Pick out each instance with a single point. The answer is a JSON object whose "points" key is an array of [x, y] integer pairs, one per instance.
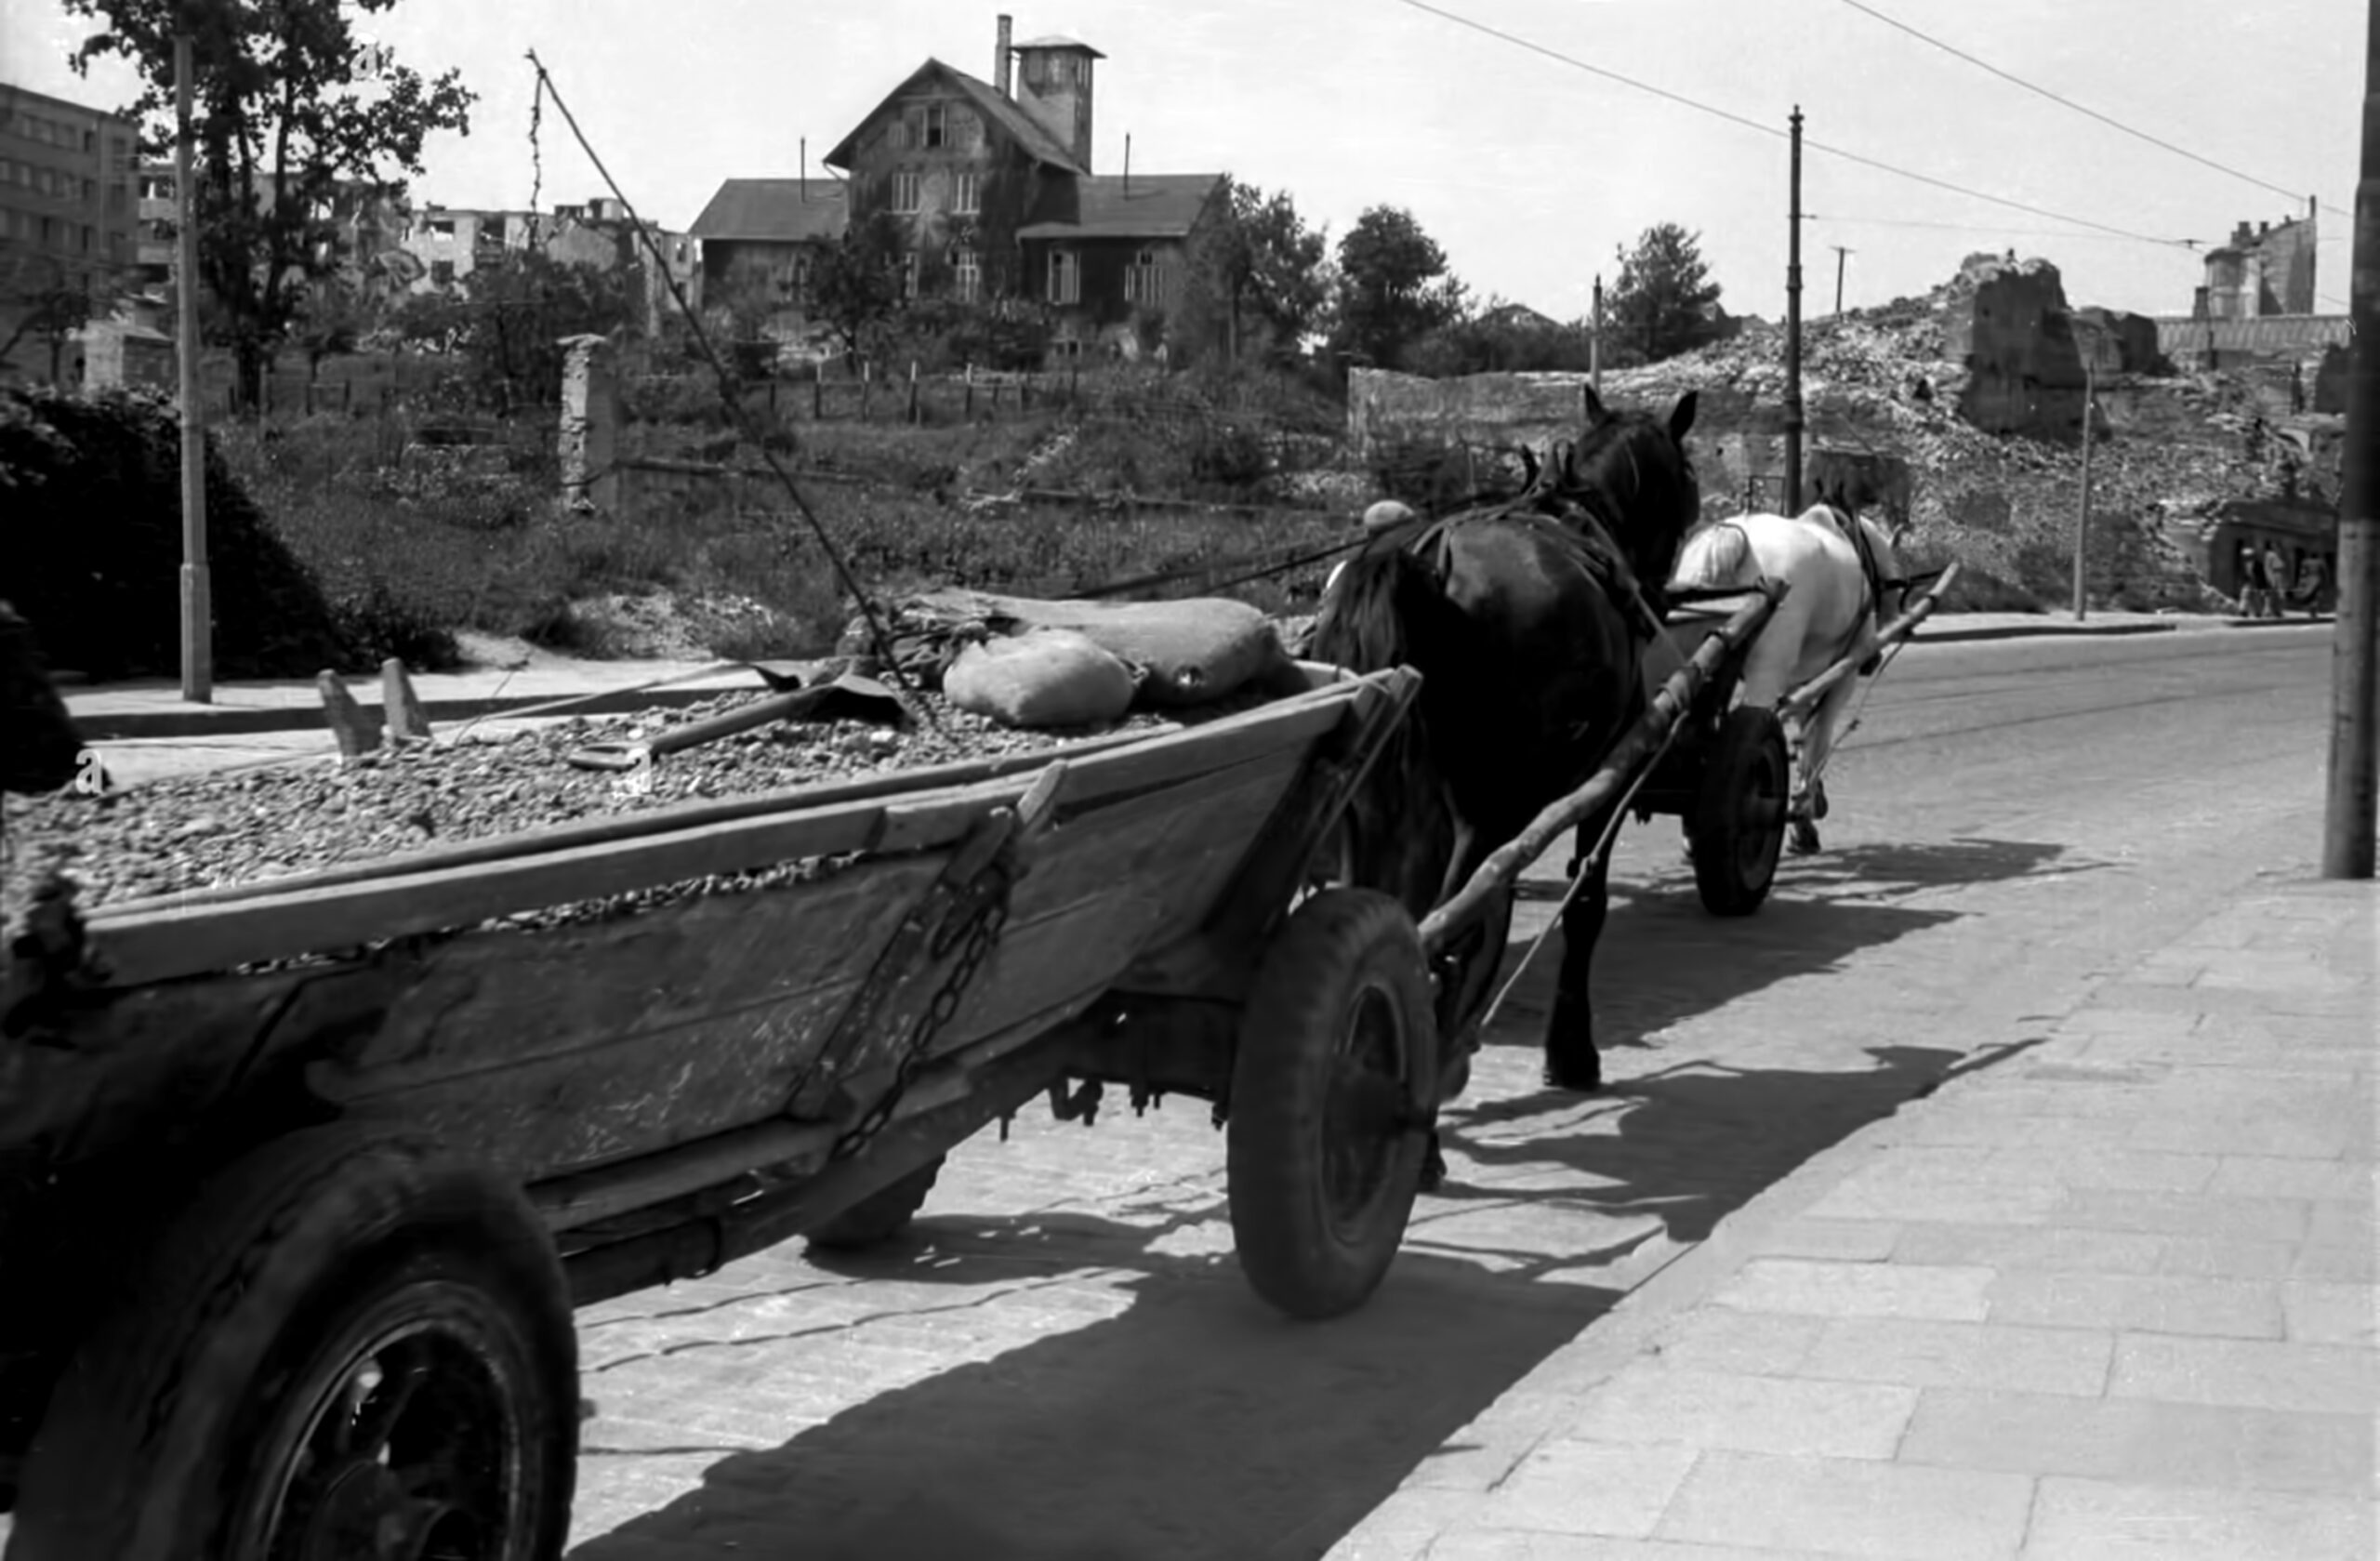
{"points": [[1191, 1424]]}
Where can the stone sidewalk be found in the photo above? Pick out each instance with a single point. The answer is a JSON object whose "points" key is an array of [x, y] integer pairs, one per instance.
{"points": [[2111, 1297]]}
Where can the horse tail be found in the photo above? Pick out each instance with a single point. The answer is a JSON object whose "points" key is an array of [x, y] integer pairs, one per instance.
{"points": [[1385, 610], [1715, 557]]}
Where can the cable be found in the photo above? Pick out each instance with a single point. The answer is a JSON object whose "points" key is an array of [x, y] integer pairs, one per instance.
{"points": [[1735, 118], [1956, 226], [2078, 107]]}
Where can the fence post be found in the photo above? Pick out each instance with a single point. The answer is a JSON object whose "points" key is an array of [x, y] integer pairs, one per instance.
{"points": [[1024, 393], [589, 424], [346, 395], [773, 397], [968, 414], [913, 391], [1073, 383], [309, 398], [817, 392], [866, 376]]}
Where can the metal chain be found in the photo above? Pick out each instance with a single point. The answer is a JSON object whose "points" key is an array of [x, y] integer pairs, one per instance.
{"points": [[537, 158], [982, 932]]}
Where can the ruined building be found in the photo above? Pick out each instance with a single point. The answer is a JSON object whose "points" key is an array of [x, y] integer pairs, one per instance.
{"points": [[2267, 271]]}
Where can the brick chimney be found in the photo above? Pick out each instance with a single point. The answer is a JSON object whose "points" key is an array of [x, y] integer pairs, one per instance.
{"points": [[2241, 235], [999, 59]]}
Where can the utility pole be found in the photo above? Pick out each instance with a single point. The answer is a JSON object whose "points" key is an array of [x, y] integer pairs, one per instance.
{"points": [[1839, 254], [1794, 330], [198, 628], [1595, 342], [2354, 790], [2082, 514]]}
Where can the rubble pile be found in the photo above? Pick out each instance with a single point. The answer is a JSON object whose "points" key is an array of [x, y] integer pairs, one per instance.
{"points": [[2174, 447]]}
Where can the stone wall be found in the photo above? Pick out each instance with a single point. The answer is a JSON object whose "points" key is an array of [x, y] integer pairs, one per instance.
{"points": [[1388, 411], [2009, 323]]}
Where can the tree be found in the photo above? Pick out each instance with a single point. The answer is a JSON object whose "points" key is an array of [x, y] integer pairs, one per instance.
{"points": [[1393, 287], [856, 283], [329, 321], [290, 106], [55, 306], [1255, 262], [517, 311], [1665, 302]]}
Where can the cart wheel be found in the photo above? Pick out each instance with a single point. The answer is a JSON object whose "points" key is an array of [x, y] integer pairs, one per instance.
{"points": [[1332, 1093], [1738, 825], [349, 1344], [881, 1215]]}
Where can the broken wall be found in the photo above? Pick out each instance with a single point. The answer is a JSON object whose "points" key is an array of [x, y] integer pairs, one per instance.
{"points": [[2007, 323]]}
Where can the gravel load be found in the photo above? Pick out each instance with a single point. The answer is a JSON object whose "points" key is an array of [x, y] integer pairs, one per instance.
{"points": [[242, 827]]}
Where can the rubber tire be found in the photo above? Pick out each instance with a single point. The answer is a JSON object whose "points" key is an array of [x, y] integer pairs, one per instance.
{"points": [[141, 1452], [880, 1216], [1335, 949], [1745, 756]]}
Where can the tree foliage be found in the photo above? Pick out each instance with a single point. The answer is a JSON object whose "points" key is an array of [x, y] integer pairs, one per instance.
{"points": [[1254, 269], [51, 305], [515, 313], [856, 284], [1665, 302], [1393, 287], [1502, 338], [291, 104]]}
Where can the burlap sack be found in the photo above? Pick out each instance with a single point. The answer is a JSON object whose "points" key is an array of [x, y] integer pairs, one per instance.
{"points": [[1042, 677]]}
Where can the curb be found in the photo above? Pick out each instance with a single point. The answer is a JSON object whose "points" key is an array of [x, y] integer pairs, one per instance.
{"points": [[215, 721], [2044, 631]]}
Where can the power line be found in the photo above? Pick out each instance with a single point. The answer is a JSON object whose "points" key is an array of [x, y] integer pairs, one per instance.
{"points": [[2078, 107], [1962, 227], [1735, 118]]}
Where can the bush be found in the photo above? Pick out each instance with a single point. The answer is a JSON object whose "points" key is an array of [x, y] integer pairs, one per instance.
{"points": [[93, 549]]}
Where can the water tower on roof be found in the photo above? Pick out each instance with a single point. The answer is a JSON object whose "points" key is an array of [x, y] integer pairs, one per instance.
{"points": [[1053, 86]]}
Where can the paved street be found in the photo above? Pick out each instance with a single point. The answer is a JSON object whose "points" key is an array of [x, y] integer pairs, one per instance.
{"points": [[2026, 835]]}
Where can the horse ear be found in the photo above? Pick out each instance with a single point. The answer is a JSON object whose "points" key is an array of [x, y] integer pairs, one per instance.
{"points": [[1682, 416], [1568, 452], [1528, 464], [1598, 414]]}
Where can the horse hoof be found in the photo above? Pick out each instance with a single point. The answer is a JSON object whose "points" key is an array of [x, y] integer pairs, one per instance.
{"points": [[1805, 840], [1574, 1080]]}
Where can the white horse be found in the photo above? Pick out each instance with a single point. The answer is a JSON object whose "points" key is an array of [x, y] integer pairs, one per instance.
{"points": [[1846, 582]]}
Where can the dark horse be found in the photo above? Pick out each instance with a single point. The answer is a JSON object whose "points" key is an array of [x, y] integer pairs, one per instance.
{"points": [[39, 751], [1528, 620]]}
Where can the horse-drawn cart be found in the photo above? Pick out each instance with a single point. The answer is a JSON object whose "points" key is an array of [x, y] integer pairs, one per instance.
{"points": [[299, 1181]]}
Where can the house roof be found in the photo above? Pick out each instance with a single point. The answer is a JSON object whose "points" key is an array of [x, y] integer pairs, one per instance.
{"points": [[1059, 40], [775, 209], [1021, 126], [1154, 206]]}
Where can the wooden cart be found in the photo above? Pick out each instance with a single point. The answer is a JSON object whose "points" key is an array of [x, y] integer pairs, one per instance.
{"points": [[289, 1255]]}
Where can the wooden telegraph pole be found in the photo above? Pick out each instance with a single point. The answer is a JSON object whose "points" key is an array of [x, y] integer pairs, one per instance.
{"points": [[1595, 342], [1794, 332], [2354, 790], [2083, 513], [198, 639]]}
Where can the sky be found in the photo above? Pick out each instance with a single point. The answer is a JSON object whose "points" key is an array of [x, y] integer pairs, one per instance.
{"points": [[1530, 173]]}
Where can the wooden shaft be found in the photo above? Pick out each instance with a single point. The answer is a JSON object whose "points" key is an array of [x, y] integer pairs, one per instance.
{"points": [[1676, 696], [1911, 615], [1793, 331]]}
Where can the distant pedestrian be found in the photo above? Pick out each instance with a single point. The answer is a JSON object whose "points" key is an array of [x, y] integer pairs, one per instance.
{"points": [[2310, 579], [1387, 515], [2252, 582], [2276, 578]]}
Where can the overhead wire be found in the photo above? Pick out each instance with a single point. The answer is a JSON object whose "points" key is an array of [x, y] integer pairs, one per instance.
{"points": [[2009, 76], [1734, 118]]}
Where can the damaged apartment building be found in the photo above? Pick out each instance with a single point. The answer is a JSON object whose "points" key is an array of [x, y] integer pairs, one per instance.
{"points": [[993, 187]]}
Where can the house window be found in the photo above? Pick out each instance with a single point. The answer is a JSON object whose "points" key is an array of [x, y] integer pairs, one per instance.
{"points": [[905, 193], [896, 135], [965, 129], [937, 126], [969, 267], [1065, 276], [1145, 280], [89, 235], [909, 274], [966, 194], [442, 227], [442, 272]]}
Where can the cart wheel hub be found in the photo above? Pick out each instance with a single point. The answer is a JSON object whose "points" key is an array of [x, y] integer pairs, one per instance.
{"points": [[367, 1513]]}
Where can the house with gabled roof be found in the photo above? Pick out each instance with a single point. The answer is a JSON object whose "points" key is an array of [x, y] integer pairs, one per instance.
{"points": [[993, 187]]}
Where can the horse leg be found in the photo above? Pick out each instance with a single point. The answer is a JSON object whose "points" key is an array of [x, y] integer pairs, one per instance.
{"points": [[1809, 784], [1571, 1061]]}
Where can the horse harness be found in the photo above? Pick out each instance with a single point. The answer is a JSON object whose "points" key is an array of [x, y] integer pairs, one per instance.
{"points": [[1582, 538]]}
